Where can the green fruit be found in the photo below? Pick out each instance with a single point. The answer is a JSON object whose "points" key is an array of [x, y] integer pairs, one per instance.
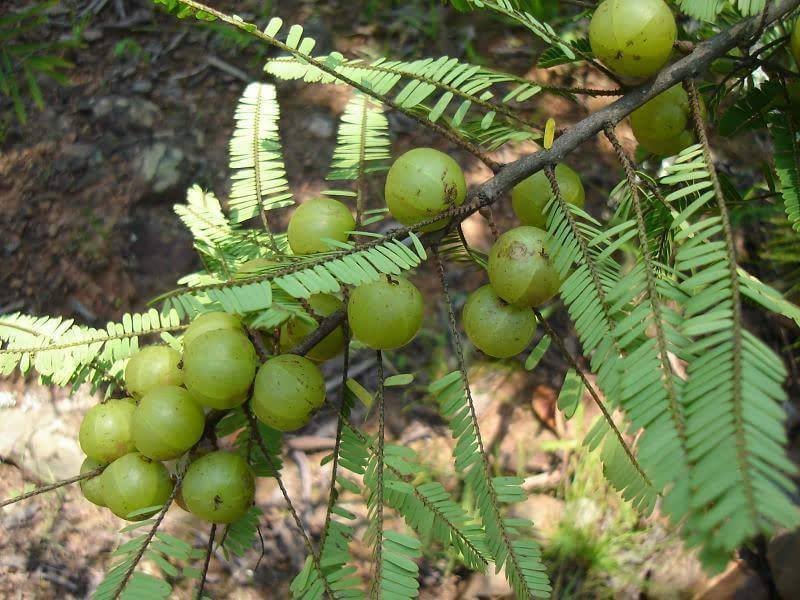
{"points": [[663, 125], [254, 268], [219, 367], [134, 482], [219, 487], [152, 367], [520, 269], [386, 313], [105, 432], [633, 38], [495, 327], [167, 423], [92, 488], [530, 196], [295, 330], [288, 390], [316, 219], [795, 41], [422, 183], [209, 322]]}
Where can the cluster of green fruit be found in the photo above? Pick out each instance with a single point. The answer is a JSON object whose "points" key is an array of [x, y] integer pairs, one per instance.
{"points": [[635, 38]]}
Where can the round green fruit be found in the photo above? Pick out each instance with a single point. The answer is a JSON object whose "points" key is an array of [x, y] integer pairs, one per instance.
{"points": [[633, 38], [105, 432], [209, 322], [219, 487], [152, 367], [520, 269], [530, 196], [663, 125], [166, 423], [795, 42], [495, 327], [219, 367], [422, 183], [386, 313], [254, 267], [316, 219], [134, 482], [92, 488], [295, 330], [288, 390]]}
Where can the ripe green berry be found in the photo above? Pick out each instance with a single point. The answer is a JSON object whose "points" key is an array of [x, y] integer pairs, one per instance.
{"points": [[254, 267], [105, 432], [92, 488], [316, 219], [219, 367], [209, 322], [133, 482], [386, 313], [795, 42], [633, 38], [166, 423], [152, 367], [219, 487], [422, 183], [530, 196], [520, 269], [495, 327], [663, 125], [295, 330], [288, 390]]}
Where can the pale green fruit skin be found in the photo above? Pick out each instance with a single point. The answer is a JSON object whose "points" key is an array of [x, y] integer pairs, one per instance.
{"points": [[105, 432], [254, 267], [167, 423], [422, 183], [288, 390], [296, 330], [520, 269], [530, 196], [795, 42], [633, 38], [152, 367], [219, 487], [385, 314], [92, 488], [316, 219], [495, 327], [219, 367], [663, 125], [133, 482], [209, 322]]}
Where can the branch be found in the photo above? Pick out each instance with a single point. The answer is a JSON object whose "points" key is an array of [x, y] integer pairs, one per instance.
{"points": [[326, 326], [53, 486]]}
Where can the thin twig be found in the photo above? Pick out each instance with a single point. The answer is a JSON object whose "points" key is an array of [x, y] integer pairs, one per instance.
{"points": [[53, 486], [379, 456], [209, 552]]}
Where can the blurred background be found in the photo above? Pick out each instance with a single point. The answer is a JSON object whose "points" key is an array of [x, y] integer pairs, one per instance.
{"points": [[129, 106]]}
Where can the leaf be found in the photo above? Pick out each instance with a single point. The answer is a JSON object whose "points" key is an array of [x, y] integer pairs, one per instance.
{"points": [[399, 380], [360, 392], [571, 392], [537, 353]]}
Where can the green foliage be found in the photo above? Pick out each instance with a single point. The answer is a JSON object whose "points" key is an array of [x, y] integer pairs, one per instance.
{"points": [[784, 136], [23, 62], [363, 140]]}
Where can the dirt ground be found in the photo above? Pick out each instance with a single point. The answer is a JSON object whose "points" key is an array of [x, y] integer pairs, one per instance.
{"points": [[87, 231]]}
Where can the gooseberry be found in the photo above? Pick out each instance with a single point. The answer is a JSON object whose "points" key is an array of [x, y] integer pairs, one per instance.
{"points": [[295, 330], [92, 487], [166, 423], [133, 482], [105, 432], [530, 196], [663, 125], [152, 367], [386, 313], [208, 322], [633, 38], [219, 487], [219, 366], [520, 269], [495, 327], [287, 391], [422, 183], [254, 267], [316, 219], [795, 41]]}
